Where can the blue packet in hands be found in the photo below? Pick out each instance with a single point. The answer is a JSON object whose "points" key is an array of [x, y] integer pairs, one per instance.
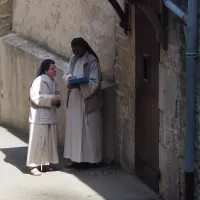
{"points": [[78, 81]]}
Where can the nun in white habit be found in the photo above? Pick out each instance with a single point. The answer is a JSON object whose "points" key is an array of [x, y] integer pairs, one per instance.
{"points": [[42, 148], [83, 138]]}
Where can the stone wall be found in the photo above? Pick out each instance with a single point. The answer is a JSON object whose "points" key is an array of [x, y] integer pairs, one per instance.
{"points": [[5, 16], [19, 61], [172, 80], [172, 96], [54, 23], [124, 74]]}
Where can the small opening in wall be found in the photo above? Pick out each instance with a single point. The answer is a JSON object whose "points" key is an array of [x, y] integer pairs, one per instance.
{"points": [[146, 65]]}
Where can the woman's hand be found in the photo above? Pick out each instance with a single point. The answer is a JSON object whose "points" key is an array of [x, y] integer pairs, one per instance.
{"points": [[58, 105], [55, 100]]}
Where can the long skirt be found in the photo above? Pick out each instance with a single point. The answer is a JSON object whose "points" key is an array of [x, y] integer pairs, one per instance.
{"points": [[42, 148]]}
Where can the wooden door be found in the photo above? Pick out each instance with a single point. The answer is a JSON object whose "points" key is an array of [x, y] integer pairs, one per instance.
{"points": [[147, 114]]}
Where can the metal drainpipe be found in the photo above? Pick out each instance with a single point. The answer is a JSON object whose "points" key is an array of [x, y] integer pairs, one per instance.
{"points": [[192, 52], [191, 55], [176, 10]]}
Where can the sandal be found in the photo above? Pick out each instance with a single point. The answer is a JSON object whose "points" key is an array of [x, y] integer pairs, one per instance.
{"points": [[35, 172]]}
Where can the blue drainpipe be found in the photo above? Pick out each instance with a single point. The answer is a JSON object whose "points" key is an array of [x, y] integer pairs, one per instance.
{"points": [[176, 10], [191, 55], [192, 52]]}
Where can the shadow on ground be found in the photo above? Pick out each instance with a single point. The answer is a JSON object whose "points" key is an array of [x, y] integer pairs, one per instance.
{"points": [[111, 182], [108, 181], [16, 157]]}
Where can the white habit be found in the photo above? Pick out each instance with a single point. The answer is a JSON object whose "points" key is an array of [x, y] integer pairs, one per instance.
{"points": [[83, 139], [42, 148]]}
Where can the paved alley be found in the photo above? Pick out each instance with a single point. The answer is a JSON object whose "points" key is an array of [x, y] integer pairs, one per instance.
{"points": [[107, 183]]}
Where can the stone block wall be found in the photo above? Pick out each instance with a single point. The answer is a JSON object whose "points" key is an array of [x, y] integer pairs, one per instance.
{"points": [[172, 108], [172, 94], [54, 23], [19, 61], [173, 114], [124, 74], [5, 17]]}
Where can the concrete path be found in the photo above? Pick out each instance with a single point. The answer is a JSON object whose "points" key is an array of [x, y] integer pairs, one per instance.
{"points": [[106, 183]]}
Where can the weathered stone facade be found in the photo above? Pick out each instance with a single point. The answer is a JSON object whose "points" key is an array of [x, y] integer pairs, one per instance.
{"points": [[124, 74], [172, 96], [54, 23], [172, 82], [5, 17], [172, 108]]}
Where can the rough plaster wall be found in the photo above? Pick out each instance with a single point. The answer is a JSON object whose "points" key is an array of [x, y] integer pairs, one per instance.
{"points": [[19, 61], [55, 22], [172, 94], [5, 16], [124, 73], [173, 115]]}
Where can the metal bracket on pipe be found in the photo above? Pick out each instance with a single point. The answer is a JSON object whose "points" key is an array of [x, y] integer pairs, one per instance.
{"points": [[176, 10]]}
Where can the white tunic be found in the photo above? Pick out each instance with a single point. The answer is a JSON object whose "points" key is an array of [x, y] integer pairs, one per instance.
{"points": [[42, 148], [83, 141]]}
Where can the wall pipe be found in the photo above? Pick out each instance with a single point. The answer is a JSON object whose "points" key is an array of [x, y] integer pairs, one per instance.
{"points": [[192, 52], [191, 61], [176, 10]]}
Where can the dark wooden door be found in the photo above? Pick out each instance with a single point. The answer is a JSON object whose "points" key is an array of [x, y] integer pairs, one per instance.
{"points": [[147, 114]]}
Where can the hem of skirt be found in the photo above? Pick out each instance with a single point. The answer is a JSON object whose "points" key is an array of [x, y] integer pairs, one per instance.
{"points": [[80, 161], [37, 165], [40, 123]]}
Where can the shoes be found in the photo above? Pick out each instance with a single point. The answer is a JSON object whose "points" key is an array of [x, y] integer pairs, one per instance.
{"points": [[73, 165], [83, 165], [35, 172]]}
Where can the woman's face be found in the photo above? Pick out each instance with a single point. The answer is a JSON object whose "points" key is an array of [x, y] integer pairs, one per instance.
{"points": [[52, 71], [78, 51]]}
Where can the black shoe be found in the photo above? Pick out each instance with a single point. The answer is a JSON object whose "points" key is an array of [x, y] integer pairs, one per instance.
{"points": [[73, 165], [48, 168], [89, 165]]}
